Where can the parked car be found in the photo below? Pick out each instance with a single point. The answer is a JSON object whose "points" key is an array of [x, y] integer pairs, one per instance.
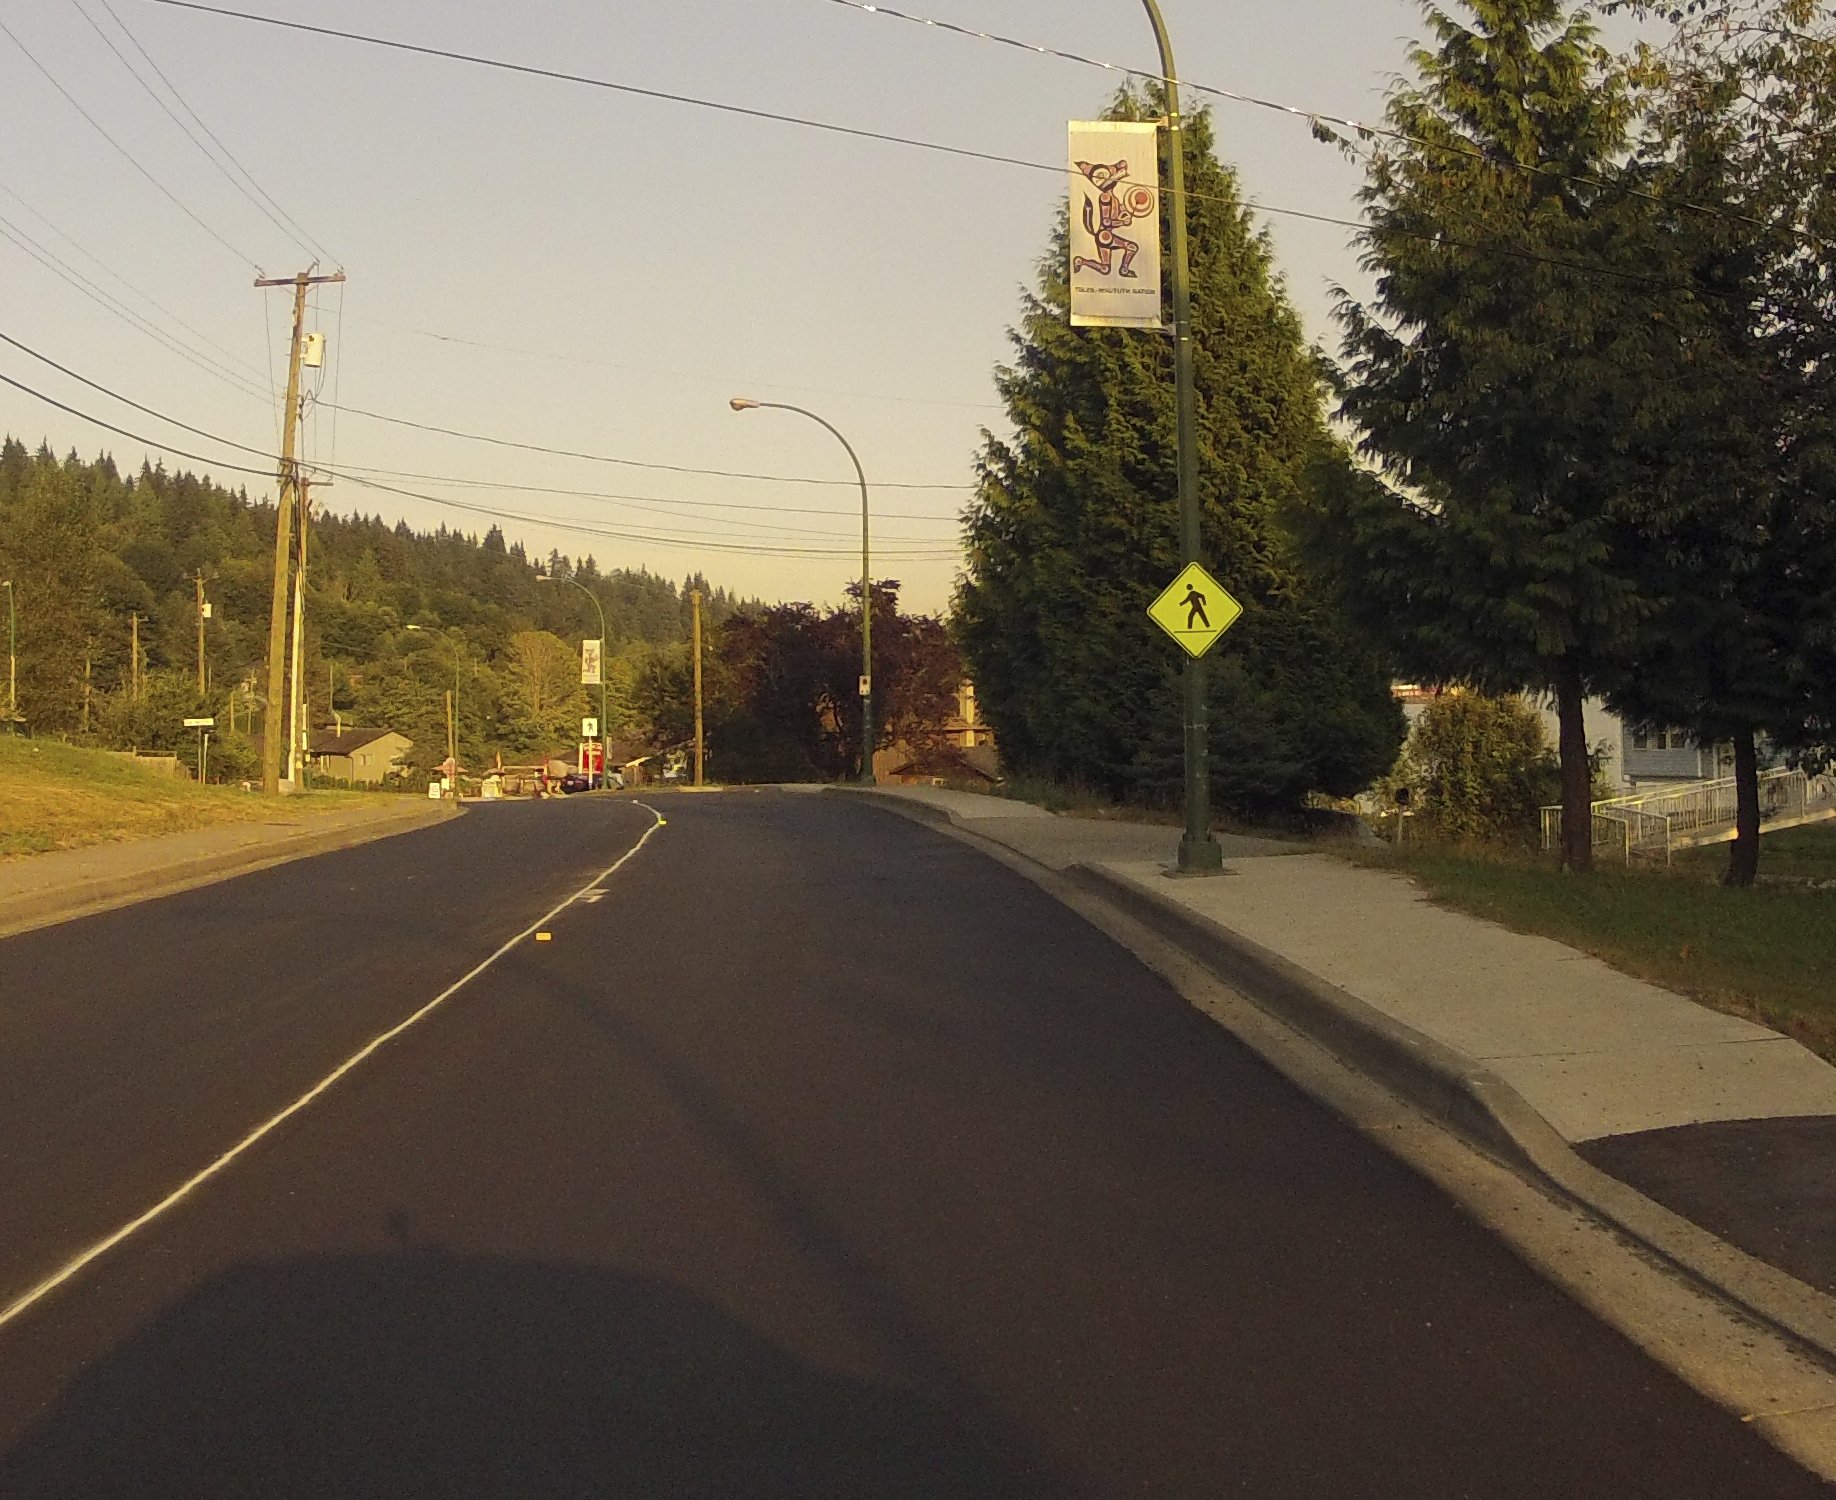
{"points": [[584, 781]]}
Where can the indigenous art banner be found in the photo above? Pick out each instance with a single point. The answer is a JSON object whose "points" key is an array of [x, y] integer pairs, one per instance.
{"points": [[1115, 224]]}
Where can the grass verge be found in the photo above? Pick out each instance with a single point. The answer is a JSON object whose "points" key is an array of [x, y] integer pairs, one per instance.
{"points": [[56, 796], [1767, 954]]}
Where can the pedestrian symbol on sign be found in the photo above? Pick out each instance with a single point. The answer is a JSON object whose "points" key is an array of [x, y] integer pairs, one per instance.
{"points": [[1185, 609]]}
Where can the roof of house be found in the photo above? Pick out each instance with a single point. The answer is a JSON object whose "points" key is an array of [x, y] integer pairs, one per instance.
{"points": [[329, 742]]}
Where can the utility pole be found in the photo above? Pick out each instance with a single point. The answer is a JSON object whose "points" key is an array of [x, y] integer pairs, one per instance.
{"points": [[452, 735], [695, 599], [134, 656], [12, 650], [198, 578], [297, 728], [288, 475]]}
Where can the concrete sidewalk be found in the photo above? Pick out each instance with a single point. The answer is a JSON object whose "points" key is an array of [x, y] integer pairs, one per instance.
{"points": [[1542, 1055], [44, 888]]}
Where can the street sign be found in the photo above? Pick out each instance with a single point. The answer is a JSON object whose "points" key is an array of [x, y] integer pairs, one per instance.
{"points": [[589, 729], [1195, 610], [200, 723]]}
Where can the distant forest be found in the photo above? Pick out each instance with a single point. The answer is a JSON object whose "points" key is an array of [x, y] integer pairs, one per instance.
{"points": [[394, 618]]}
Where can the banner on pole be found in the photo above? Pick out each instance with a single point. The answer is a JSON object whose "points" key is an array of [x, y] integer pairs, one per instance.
{"points": [[590, 663], [1115, 224]]}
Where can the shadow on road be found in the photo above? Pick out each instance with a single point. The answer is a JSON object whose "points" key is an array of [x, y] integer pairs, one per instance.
{"points": [[427, 1374]]}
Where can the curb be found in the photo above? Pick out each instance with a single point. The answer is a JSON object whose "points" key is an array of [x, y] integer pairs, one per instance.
{"points": [[1479, 1106], [89, 896], [1456, 1092]]}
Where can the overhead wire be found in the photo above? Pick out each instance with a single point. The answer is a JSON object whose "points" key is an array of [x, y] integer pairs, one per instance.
{"points": [[602, 364], [354, 471], [1313, 117], [887, 138], [686, 539], [113, 274], [127, 155], [190, 134], [634, 463], [68, 273], [306, 238]]}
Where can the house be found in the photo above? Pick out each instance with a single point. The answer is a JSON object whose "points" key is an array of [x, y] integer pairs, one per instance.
{"points": [[362, 757], [961, 749]]}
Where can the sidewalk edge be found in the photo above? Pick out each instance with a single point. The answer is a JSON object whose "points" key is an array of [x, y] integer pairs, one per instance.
{"points": [[91, 896], [1479, 1106]]}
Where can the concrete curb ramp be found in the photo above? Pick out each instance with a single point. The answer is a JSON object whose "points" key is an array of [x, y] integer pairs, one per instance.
{"points": [[1456, 1090], [244, 847]]}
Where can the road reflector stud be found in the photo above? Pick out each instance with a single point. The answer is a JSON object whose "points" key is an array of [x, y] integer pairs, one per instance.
{"points": [[545, 937]]}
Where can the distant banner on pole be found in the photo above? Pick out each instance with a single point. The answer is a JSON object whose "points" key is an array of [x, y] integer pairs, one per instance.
{"points": [[1115, 224], [590, 671]]}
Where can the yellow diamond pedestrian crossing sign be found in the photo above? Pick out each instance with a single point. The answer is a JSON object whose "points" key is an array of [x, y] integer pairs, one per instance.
{"points": [[1195, 610]]}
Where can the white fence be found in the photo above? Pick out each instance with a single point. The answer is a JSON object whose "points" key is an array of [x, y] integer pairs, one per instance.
{"points": [[1654, 823]]}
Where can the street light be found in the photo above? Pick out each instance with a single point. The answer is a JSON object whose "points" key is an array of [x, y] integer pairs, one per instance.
{"points": [[605, 728], [1199, 852], [12, 651], [743, 403]]}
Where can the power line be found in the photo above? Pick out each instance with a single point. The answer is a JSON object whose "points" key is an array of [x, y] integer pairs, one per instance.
{"points": [[125, 153], [58, 267], [1057, 170], [291, 231], [46, 359], [690, 542], [631, 463], [544, 489], [354, 472], [111, 272], [229, 155], [1313, 117], [601, 364]]}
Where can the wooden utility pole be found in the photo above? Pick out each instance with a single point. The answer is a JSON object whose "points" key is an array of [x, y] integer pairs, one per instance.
{"points": [[452, 740], [695, 599], [134, 657], [198, 578], [289, 476], [297, 714]]}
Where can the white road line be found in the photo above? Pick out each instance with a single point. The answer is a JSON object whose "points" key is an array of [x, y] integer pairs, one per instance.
{"points": [[185, 1189]]}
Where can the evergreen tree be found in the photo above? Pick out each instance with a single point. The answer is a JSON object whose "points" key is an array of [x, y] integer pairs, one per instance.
{"points": [[1074, 531], [1499, 380], [1741, 645]]}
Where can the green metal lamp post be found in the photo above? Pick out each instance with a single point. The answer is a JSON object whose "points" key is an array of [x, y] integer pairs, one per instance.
{"points": [[742, 403], [1199, 851], [605, 728]]}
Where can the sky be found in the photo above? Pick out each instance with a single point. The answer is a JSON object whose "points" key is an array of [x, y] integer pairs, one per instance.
{"points": [[577, 268]]}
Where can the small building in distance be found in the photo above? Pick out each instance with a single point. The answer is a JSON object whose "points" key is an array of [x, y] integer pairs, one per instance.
{"points": [[362, 757], [960, 749]]}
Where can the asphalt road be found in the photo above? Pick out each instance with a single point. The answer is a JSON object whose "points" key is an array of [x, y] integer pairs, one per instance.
{"points": [[819, 1157]]}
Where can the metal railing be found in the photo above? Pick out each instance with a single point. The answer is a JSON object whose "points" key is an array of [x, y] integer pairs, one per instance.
{"points": [[1655, 823]]}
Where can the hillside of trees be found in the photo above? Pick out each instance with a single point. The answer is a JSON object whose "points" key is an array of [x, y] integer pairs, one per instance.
{"points": [[393, 618]]}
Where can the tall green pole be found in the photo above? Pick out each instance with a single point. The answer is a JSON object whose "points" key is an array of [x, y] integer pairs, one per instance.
{"points": [[742, 403], [1199, 852], [605, 728]]}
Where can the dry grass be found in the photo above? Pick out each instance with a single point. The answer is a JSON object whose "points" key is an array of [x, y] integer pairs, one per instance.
{"points": [[56, 796]]}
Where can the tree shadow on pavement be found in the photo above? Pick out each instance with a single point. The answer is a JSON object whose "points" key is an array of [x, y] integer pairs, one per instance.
{"points": [[469, 1378]]}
